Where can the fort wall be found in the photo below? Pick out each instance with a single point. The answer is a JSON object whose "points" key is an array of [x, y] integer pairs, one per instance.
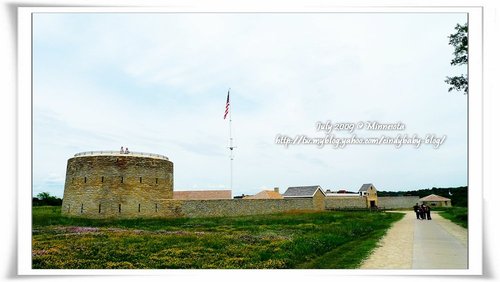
{"points": [[403, 202], [345, 202], [167, 208], [207, 208], [139, 185], [196, 208]]}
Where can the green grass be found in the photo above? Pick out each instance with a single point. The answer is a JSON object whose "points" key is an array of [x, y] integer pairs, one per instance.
{"points": [[457, 215], [335, 240]]}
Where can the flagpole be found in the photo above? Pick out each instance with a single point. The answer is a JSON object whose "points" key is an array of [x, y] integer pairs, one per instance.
{"points": [[231, 157]]}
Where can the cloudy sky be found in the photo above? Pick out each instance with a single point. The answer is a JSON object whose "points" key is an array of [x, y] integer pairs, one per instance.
{"points": [[158, 82]]}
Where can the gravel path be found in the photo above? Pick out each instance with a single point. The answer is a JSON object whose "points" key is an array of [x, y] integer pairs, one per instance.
{"points": [[395, 249], [441, 242]]}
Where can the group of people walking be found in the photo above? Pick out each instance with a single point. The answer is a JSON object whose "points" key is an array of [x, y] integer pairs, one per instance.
{"points": [[422, 211]]}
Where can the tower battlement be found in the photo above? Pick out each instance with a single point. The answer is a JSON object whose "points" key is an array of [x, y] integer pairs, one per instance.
{"points": [[118, 153]]}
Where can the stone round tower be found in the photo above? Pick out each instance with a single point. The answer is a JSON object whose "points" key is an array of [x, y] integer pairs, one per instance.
{"points": [[114, 184]]}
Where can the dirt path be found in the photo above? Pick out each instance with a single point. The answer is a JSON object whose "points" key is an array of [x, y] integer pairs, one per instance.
{"points": [[420, 244], [395, 249]]}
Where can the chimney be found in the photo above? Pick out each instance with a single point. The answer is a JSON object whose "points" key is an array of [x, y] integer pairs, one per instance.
{"points": [[277, 189]]}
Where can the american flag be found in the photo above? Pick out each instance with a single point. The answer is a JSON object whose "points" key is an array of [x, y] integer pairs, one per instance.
{"points": [[227, 105]]}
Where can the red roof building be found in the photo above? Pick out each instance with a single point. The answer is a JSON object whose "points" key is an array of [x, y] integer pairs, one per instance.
{"points": [[435, 201], [265, 194]]}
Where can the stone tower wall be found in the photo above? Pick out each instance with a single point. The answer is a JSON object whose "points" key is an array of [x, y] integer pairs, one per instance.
{"points": [[116, 185]]}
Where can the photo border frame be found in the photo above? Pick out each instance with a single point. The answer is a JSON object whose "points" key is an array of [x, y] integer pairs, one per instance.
{"points": [[475, 126]]}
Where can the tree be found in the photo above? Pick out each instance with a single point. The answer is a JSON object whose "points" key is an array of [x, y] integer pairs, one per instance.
{"points": [[45, 199], [43, 196], [460, 41]]}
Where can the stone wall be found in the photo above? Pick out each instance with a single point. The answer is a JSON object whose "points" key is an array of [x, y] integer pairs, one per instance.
{"points": [[397, 202], [238, 207], [165, 208], [116, 185], [199, 208], [345, 202]]}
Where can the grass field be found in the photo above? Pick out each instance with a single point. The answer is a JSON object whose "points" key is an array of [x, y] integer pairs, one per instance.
{"points": [[334, 240], [458, 215]]}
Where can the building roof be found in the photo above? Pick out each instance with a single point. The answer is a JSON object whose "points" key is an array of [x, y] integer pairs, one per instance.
{"points": [[342, 195], [434, 198], [365, 187], [302, 191], [202, 195], [265, 194]]}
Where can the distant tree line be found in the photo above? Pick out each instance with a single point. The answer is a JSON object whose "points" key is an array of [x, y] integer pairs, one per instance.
{"points": [[45, 199], [459, 195]]}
